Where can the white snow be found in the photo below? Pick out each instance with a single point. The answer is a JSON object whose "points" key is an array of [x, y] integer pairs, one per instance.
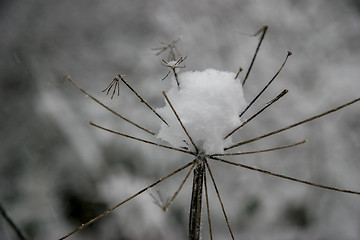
{"points": [[208, 103]]}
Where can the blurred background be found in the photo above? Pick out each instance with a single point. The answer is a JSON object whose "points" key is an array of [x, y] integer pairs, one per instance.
{"points": [[56, 171]]}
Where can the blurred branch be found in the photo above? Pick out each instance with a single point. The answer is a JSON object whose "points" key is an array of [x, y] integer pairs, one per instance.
{"points": [[11, 223]]}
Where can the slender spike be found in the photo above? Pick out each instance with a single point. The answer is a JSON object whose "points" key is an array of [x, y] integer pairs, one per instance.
{"points": [[114, 83], [106, 107], [176, 77], [166, 76], [294, 125], [118, 89], [285, 177], [238, 72], [256, 114], [116, 86], [208, 206], [126, 200], [167, 205], [267, 85], [12, 223], [221, 203], [108, 88], [141, 99], [263, 30], [141, 140], [178, 118], [261, 151]]}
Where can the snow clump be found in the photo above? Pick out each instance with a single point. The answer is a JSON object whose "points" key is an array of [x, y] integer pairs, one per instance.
{"points": [[208, 103]]}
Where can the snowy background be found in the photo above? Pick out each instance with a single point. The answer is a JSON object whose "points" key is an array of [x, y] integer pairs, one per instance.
{"points": [[56, 171]]}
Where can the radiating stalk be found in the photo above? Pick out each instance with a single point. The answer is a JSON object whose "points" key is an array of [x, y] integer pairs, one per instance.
{"points": [[196, 197]]}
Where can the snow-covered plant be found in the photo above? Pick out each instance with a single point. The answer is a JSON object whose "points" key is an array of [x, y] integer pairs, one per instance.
{"points": [[202, 110]]}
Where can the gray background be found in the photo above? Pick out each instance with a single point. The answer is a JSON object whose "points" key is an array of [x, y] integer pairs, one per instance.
{"points": [[56, 171]]}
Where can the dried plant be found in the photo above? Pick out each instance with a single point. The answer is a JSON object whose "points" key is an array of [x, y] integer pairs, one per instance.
{"points": [[200, 164]]}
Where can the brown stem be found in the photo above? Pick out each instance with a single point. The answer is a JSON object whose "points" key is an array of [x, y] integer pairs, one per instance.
{"points": [[196, 201]]}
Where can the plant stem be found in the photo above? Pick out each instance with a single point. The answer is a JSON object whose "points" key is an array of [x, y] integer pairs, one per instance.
{"points": [[196, 197]]}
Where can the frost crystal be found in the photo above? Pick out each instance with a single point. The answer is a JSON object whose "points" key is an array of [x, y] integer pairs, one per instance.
{"points": [[209, 104]]}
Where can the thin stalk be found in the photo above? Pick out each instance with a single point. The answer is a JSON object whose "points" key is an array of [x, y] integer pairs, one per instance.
{"points": [[141, 99], [285, 177], [293, 125], [115, 84], [238, 72], [182, 125], [126, 200], [267, 85], [141, 140], [196, 201], [263, 30], [261, 151], [208, 206], [260, 111], [221, 203], [167, 205]]}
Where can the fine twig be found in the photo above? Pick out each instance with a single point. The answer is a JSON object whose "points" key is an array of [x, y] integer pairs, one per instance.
{"points": [[261, 151], [168, 203], [267, 85], [238, 72], [126, 200], [141, 99], [173, 65], [263, 30], [173, 51], [207, 205], [167, 74], [260, 111], [221, 203], [106, 107], [182, 125], [141, 140], [284, 177], [115, 84], [294, 125], [11, 223]]}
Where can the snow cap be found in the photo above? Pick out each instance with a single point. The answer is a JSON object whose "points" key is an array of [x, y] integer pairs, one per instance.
{"points": [[208, 103]]}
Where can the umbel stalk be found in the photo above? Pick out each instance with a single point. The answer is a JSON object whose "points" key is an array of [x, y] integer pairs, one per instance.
{"points": [[196, 200]]}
